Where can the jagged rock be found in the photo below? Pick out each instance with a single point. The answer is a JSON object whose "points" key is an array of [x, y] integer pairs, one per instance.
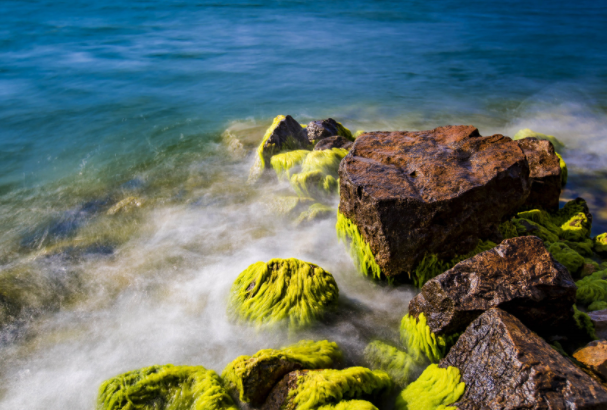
{"points": [[506, 366], [544, 174], [599, 320], [437, 191], [519, 276], [594, 357], [336, 141], [318, 130]]}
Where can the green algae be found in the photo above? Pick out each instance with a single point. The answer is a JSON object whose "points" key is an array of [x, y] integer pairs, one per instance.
{"points": [[592, 288], [317, 388], [600, 243], [358, 133], [314, 212], [597, 305], [419, 341], [282, 290], [307, 353], [564, 172], [285, 161], [344, 132], [401, 366], [349, 405], [527, 133], [314, 184], [435, 389], [260, 160], [508, 230], [566, 256], [285, 205], [583, 322], [327, 161], [165, 387], [360, 251], [431, 265]]}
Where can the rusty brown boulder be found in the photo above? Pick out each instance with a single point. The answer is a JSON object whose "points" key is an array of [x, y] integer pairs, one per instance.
{"points": [[544, 174], [336, 141], [506, 366], [437, 191], [594, 357], [519, 276]]}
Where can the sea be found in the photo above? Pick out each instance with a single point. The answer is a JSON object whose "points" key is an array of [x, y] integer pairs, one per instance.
{"points": [[128, 128]]}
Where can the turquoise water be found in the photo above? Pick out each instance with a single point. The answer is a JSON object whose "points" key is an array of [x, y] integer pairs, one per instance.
{"points": [[102, 102]]}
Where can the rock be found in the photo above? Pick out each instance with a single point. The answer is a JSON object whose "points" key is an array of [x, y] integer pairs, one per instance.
{"points": [[594, 357], [336, 141], [599, 320], [318, 130], [519, 276], [506, 366], [250, 379], [437, 191], [527, 133], [544, 174], [600, 243]]}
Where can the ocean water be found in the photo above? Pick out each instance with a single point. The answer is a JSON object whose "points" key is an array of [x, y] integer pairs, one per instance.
{"points": [[105, 101]]}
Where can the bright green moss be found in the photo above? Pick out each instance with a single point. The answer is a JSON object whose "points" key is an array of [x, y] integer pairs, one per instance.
{"points": [[600, 243], [309, 354], [527, 133], [528, 227], [431, 266], [435, 389], [284, 162], [349, 405], [260, 162], [542, 218], [282, 290], [570, 210], [401, 367], [566, 256], [165, 388], [344, 132], [327, 161], [564, 172], [577, 228], [315, 211], [583, 247], [419, 341], [592, 288], [508, 230], [329, 386], [597, 305], [349, 234], [314, 184], [584, 322], [358, 133]]}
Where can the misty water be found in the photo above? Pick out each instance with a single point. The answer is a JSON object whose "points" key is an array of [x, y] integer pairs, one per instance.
{"points": [[163, 103]]}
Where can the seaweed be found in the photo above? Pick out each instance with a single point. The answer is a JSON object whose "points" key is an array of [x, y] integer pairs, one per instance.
{"points": [[282, 290], [597, 305], [315, 211], [564, 172], [566, 256], [285, 161], [349, 405], [592, 288], [165, 387], [435, 389], [321, 387], [401, 367], [600, 243], [583, 322], [360, 251], [419, 341]]}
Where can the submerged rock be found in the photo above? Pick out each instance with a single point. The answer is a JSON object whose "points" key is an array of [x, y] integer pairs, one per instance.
{"points": [[336, 141], [506, 366], [544, 174], [164, 388], [439, 191], [287, 291], [250, 379], [310, 389], [519, 276], [594, 357]]}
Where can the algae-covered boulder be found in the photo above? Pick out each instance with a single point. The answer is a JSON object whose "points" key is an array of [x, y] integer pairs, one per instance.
{"points": [[592, 288], [336, 141], [287, 291], [250, 378], [600, 244], [318, 174], [435, 389], [544, 174], [284, 134], [401, 366], [319, 130], [528, 133], [310, 389], [519, 275], [165, 388], [440, 192], [506, 366]]}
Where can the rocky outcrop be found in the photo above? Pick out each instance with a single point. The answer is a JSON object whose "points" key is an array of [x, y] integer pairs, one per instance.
{"points": [[506, 366], [336, 141], [594, 357], [544, 174], [519, 276], [599, 320], [318, 130], [437, 191]]}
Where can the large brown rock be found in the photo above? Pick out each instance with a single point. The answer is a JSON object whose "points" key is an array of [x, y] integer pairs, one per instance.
{"points": [[544, 174], [519, 276], [506, 366], [437, 191], [594, 357]]}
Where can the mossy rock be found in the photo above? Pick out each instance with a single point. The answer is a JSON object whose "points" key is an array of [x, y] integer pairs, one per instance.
{"points": [[165, 387], [401, 367], [527, 133], [349, 405], [317, 177], [592, 288], [436, 389], [419, 341], [287, 291], [250, 378], [566, 256], [600, 244]]}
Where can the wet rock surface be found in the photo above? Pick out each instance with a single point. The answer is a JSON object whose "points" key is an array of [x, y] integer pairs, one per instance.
{"points": [[318, 130], [544, 174], [436, 191], [599, 320], [288, 134], [594, 357], [506, 366], [279, 396], [336, 141], [519, 276]]}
